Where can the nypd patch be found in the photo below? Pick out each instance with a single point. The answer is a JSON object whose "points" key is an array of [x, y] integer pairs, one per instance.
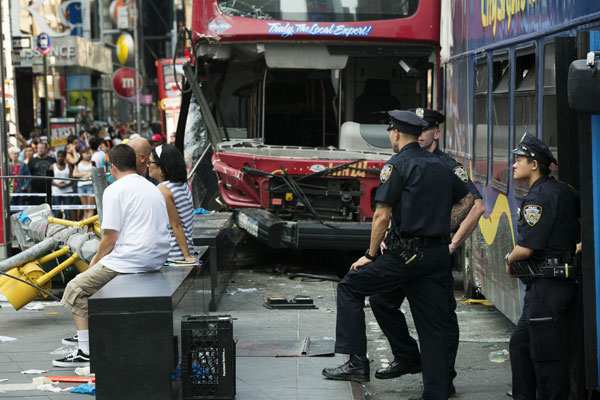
{"points": [[420, 112], [532, 214], [385, 173], [460, 171]]}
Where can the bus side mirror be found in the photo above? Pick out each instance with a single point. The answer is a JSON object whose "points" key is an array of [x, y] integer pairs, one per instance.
{"points": [[584, 85]]}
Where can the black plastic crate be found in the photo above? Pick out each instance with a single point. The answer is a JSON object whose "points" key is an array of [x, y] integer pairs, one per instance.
{"points": [[208, 357]]}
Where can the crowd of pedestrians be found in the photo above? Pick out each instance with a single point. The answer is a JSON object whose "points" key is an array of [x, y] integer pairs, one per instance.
{"points": [[34, 156]]}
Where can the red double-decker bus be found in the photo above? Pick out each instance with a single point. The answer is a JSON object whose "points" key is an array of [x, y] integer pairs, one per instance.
{"points": [[295, 96], [169, 94]]}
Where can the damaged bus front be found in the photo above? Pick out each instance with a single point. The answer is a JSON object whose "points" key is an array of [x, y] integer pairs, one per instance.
{"points": [[293, 101]]}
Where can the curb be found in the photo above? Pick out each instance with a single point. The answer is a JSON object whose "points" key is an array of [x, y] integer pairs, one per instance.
{"points": [[356, 391]]}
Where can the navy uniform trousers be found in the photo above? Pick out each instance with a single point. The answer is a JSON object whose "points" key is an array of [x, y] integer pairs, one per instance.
{"points": [[386, 308], [538, 345], [424, 283]]}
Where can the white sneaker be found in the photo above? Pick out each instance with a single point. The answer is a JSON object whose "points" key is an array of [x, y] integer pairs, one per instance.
{"points": [[76, 359], [71, 341]]}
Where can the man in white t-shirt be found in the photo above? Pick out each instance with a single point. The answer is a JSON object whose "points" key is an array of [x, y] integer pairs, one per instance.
{"points": [[134, 215]]}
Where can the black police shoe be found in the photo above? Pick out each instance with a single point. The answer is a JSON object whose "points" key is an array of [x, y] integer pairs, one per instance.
{"points": [[356, 369], [398, 368], [416, 398]]}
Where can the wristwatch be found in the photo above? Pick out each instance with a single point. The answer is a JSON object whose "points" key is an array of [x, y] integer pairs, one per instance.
{"points": [[506, 257], [369, 256]]}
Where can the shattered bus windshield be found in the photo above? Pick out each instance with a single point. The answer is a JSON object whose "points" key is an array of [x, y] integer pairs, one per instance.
{"points": [[320, 10], [307, 106]]}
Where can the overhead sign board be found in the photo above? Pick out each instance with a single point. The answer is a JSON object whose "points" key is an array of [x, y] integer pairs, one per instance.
{"points": [[123, 82], [73, 17], [125, 48], [60, 130], [69, 51], [121, 13]]}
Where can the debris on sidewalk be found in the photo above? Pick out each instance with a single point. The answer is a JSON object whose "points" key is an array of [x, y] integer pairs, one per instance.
{"points": [[63, 350], [85, 388], [83, 371], [249, 290], [34, 371], [34, 307], [318, 346], [282, 302], [38, 383], [7, 339], [73, 379], [476, 301]]}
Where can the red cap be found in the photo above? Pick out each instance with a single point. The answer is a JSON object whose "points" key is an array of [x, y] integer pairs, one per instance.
{"points": [[156, 138]]}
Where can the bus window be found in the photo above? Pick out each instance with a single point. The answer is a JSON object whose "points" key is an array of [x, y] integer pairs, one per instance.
{"points": [[319, 11], [480, 121], [549, 134], [500, 122], [525, 105]]}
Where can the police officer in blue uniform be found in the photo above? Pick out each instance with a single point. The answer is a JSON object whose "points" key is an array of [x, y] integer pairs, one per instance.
{"points": [[547, 236], [416, 258], [386, 306]]}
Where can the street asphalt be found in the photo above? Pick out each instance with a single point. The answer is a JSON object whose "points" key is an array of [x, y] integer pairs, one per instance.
{"points": [[270, 344]]}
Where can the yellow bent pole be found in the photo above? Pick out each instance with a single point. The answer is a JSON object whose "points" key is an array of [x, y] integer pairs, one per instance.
{"points": [[51, 274], [54, 255], [76, 224]]}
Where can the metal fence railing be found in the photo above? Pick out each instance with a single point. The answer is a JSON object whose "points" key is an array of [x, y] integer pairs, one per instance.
{"points": [[48, 194]]}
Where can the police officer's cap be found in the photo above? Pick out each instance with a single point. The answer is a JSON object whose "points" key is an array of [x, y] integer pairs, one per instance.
{"points": [[434, 118], [407, 122], [533, 147]]}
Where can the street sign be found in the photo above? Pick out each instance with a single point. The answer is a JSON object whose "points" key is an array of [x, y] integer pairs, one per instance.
{"points": [[120, 11], [123, 82], [21, 43], [125, 48], [43, 44]]}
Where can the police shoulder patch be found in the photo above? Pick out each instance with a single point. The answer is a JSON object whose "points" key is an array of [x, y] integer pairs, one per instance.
{"points": [[460, 171], [532, 214], [385, 173]]}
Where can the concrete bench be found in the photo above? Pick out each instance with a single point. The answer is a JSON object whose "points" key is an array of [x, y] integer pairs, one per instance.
{"points": [[210, 230], [132, 345]]}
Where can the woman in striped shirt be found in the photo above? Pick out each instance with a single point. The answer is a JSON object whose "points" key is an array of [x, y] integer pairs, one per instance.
{"points": [[167, 166]]}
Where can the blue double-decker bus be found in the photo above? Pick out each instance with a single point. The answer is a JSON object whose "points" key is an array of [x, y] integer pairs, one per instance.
{"points": [[505, 71]]}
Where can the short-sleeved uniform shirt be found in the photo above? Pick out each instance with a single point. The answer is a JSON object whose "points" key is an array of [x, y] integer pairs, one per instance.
{"points": [[421, 190], [460, 171], [137, 210], [547, 219]]}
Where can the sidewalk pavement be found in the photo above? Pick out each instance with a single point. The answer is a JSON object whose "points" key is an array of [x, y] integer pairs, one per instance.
{"points": [[270, 364]]}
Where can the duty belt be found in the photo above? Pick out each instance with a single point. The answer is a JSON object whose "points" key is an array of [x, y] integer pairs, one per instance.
{"points": [[529, 270], [409, 248]]}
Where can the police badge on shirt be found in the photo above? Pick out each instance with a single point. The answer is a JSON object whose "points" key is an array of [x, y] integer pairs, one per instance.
{"points": [[532, 214], [460, 171], [385, 173]]}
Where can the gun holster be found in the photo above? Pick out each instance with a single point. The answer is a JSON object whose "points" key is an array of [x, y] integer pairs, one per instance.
{"points": [[407, 249], [529, 270]]}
